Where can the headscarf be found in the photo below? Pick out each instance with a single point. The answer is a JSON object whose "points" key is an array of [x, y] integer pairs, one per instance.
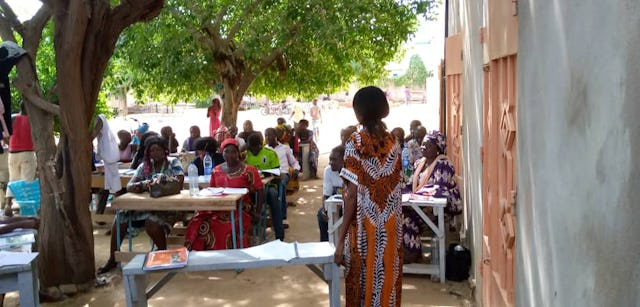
{"points": [[222, 134], [439, 139], [143, 128], [153, 140]]}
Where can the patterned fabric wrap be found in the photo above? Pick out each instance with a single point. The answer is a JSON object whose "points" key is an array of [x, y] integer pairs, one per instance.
{"points": [[373, 246], [442, 176], [438, 139], [212, 229], [162, 217]]}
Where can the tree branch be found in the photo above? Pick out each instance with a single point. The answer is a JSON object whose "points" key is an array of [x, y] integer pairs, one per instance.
{"points": [[131, 11], [40, 19], [276, 53], [10, 17], [26, 90], [245, 14], [217, 22]]}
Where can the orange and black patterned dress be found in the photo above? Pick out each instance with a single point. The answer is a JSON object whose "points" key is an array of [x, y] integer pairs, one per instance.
{"points": [[373, 245]]}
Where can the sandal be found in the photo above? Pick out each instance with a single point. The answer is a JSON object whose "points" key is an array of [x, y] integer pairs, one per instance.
{"points": [[110, 265]]}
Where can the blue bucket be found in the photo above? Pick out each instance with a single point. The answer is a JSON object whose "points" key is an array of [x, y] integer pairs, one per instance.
{"points": [[29, 207]]}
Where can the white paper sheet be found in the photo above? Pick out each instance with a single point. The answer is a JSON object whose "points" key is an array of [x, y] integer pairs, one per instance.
{"points": [[274, 250]]}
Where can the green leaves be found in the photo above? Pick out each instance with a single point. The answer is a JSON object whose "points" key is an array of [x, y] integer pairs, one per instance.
{"points": [[279, 47]]}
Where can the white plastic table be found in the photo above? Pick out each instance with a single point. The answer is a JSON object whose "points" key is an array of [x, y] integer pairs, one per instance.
{"points": [[438, 205], [335, 224], [23, 278]]}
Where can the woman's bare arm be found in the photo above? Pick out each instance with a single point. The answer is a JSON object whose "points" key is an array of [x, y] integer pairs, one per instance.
{"points": [[350, 207]]}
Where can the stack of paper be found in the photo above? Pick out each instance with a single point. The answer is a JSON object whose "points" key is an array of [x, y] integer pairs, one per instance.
{"points": [[217, 191]]}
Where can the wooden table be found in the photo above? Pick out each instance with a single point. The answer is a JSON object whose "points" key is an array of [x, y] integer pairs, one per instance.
{"points": [[178, 202]]}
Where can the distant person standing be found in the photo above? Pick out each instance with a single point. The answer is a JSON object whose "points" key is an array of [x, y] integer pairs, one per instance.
{"points": [[213, 113], [297, 114], [316, 119], [407, 95], [22, 158]]}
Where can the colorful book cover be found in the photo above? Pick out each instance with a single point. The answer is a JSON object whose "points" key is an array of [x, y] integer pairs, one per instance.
{"points": [[166, 259]]}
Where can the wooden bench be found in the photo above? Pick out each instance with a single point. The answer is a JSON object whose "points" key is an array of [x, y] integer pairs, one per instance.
{"points": [[309, 254]]}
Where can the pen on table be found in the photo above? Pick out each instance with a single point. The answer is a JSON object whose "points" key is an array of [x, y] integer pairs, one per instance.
{"points": [[295, 246]]}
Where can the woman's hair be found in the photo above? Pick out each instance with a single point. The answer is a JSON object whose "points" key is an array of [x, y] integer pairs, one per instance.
{"points": [[207, 143], [150, 141], [139, 157], [371, 106], [165, 131], [339, 150], [125, 139]]}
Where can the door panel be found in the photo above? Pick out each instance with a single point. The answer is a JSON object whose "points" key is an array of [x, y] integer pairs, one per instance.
{"points": [[498, 159]]}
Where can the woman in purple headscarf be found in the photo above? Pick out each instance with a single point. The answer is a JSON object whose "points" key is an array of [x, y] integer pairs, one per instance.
{"points": [[433, 172]]}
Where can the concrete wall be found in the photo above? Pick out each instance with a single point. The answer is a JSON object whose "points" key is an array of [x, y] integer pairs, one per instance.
{"points": [[579, 148], [467, 17]]}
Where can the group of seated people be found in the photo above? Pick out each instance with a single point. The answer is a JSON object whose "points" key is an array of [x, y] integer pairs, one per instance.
{"points": [[238, 160], [236, 166], [426, 167]]}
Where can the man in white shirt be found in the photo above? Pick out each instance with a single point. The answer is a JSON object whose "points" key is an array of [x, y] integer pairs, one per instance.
{"points": [[331, 185], [285, 155]]}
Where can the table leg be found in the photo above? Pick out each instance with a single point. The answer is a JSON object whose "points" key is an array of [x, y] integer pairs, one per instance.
{"points": [[28, 286], [135, 290], [118, 241], [240, 222], [334, 283], [233, 230], [441, 244]]}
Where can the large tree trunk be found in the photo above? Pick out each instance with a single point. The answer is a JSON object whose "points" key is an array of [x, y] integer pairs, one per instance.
{"points": [[85, 37], [235, 86]]}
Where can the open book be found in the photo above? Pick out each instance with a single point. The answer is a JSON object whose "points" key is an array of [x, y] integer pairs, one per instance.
{"points": [[275, 249], [166, 259]]}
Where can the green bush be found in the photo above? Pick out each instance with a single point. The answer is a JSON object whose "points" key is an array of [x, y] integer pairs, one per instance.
{"points": [[202, 104]]}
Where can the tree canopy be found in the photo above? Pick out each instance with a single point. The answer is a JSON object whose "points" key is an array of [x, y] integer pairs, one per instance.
{"points": [[416, 75], [271, 47]]}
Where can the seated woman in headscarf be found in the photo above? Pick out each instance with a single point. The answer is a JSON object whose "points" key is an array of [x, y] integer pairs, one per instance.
{"points": [[434, 174], [155, 223], [139, 155], [212, 229]]}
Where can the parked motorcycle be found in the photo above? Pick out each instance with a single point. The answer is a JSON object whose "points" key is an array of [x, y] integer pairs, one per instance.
{"points": [[275, 109]]}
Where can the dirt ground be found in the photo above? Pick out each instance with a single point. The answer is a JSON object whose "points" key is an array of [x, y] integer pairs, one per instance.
{"points": [[277, 286]]}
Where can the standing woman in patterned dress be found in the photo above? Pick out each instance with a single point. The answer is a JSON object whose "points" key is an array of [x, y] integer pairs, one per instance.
{"points": [[370, 245]]}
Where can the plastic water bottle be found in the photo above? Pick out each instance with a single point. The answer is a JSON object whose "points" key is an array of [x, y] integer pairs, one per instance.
{"points": [[193, 179], [406, 167], [207, 162]]}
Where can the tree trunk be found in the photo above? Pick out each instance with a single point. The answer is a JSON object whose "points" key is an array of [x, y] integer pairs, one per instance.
{"points": [[85, 37], [231, 103]]}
